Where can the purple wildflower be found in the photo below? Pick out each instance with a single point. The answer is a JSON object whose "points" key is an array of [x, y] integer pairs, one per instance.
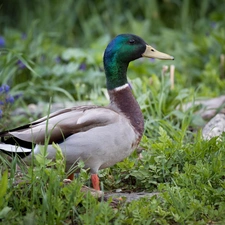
{"points": [[58, 59], [2, 41], [152, 60], [21, 64], [1, 102], [82, 66], [1, 113], [18, 95], [9, 99], [4, 88]]}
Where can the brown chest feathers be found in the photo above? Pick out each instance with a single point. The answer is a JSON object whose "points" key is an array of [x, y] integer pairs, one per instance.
{"points": [[125, 102]]}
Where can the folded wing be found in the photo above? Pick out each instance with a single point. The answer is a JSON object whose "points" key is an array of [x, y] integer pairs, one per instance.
{"points": [[59, 125]]}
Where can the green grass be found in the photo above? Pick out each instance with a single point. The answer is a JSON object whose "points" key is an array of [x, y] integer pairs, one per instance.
{"points": [[189, 177], [52, 49]]}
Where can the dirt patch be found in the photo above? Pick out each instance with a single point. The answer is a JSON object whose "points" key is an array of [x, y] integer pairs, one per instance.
{"points": [[131, 196]]}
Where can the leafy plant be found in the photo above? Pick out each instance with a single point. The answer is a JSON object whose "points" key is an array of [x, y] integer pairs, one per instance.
{"points": [[51, 51]]}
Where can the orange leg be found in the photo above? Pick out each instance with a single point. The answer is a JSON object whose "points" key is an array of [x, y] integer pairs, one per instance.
{"points": [[95, 181], [71, 176]]}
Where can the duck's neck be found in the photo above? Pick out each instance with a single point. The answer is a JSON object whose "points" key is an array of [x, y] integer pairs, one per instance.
{"points": [[122, 99], [116, 72]]}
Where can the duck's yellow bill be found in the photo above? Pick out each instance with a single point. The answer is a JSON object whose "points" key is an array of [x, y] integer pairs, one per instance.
{"points": [[150, 52]]}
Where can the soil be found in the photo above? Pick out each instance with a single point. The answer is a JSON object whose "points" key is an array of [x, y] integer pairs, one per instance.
{"points": [[131, 196]]}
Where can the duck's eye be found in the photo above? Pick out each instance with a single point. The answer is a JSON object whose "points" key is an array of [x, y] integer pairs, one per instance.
{"points": [[131, 41]]}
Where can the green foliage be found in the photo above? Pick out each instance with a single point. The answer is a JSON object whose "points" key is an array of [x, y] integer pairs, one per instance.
{"points": [[96, 213], [189, 177], [36, 55], [78, 18], [51, 62], [41, 196], [54, 51], [3, 195]]}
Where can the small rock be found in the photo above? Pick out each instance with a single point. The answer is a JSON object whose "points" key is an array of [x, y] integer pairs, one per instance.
{"points": [[215, 127], [93, 192]]}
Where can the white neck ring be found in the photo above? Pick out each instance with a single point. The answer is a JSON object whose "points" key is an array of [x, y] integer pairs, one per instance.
{"points": [[121, 87]]}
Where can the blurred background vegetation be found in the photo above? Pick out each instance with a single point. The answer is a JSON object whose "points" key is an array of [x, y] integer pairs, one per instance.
{"points": [[53, 48], [79, 22]]}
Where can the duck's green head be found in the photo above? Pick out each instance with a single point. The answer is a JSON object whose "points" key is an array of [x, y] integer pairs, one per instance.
{"points": [[120, 51]]}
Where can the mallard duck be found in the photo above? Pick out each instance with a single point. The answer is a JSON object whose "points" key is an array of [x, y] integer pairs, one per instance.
{"points": [[99, 136]]}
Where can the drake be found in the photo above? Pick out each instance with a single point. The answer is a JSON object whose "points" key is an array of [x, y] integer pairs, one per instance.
{"points": [[99, 136]]}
